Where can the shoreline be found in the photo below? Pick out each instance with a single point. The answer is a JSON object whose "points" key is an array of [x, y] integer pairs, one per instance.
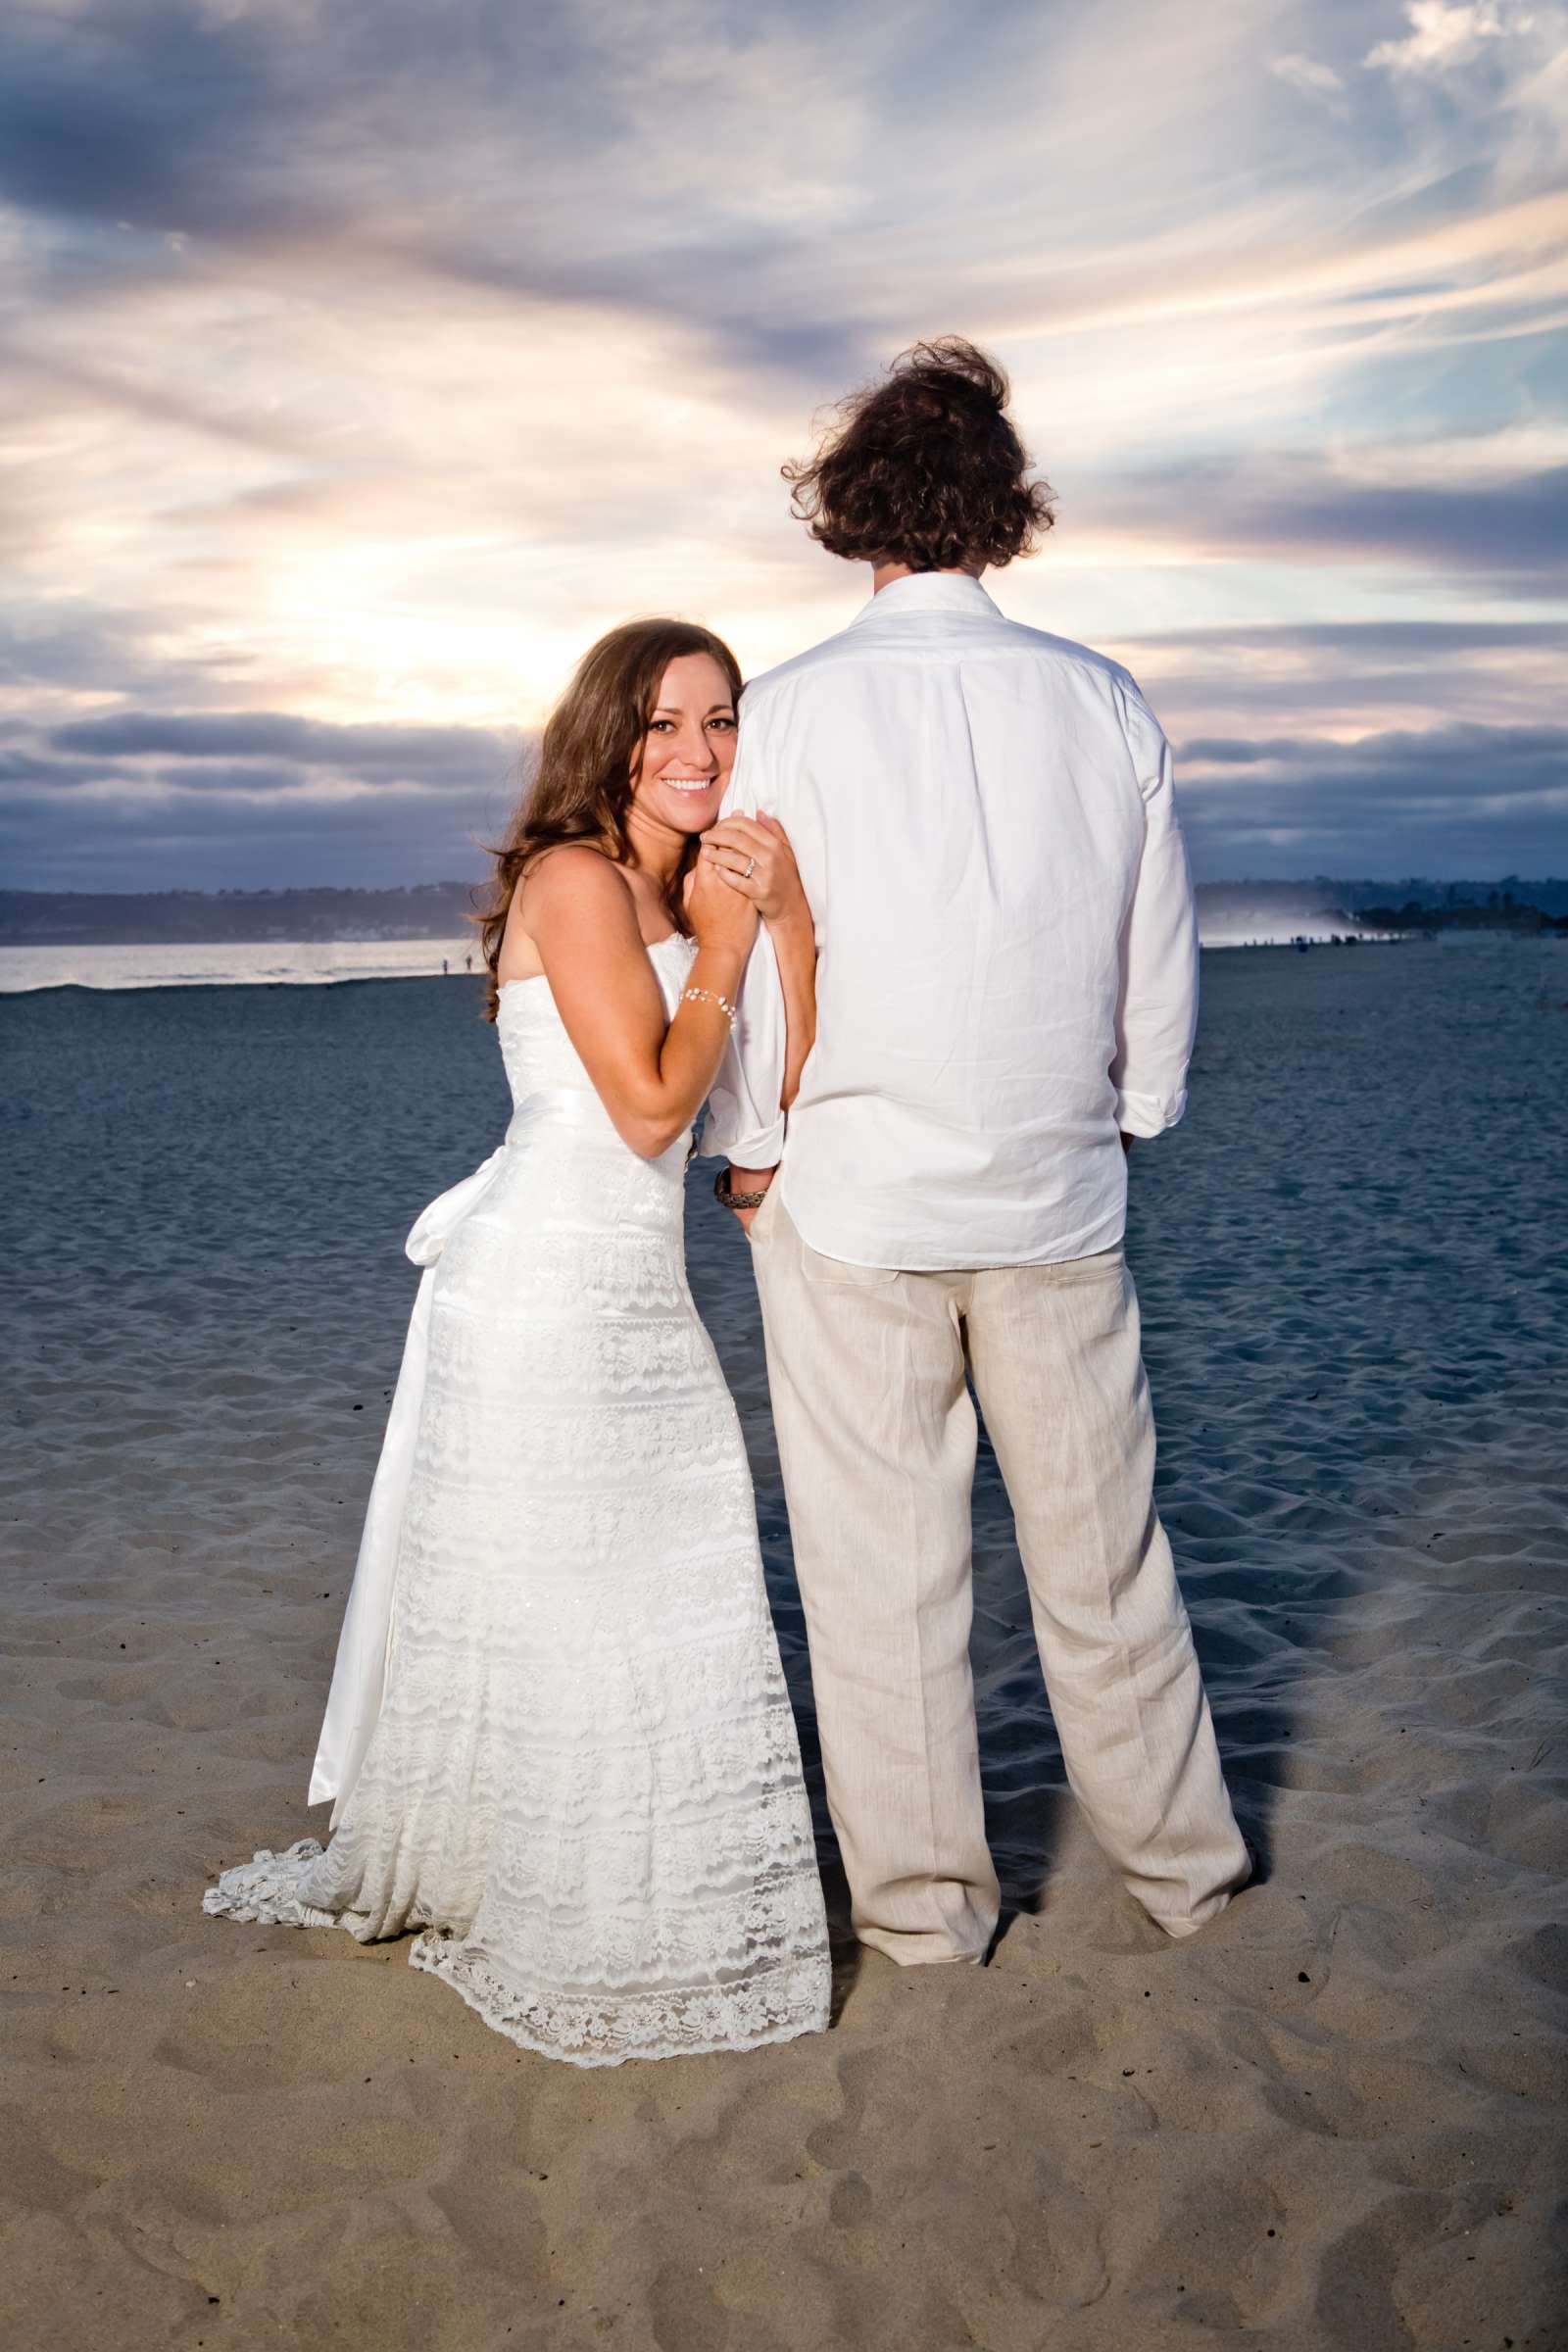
{"points": [[340, 979], [170, 988]]}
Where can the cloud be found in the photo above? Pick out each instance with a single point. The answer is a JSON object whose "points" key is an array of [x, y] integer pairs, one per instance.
{"points": [[552, 150], [1491, 75], [148, 799], [1441, 763], [1313, 78], [215, 841], [1445, 801], [460, 755], [1303, 510], [1445, 34], [1348, 679], [362, 362]]}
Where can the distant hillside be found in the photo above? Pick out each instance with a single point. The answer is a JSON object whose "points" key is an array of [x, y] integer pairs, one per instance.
{"points": [[1549, 894], [1228, 912], [1243, 913]]}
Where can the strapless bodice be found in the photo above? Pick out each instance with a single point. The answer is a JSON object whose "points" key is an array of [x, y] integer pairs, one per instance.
{"points": [[543, 1066], [538, 1054]]}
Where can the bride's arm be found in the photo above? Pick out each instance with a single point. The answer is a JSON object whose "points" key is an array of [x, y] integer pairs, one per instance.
{"points": [[651, 1074]]}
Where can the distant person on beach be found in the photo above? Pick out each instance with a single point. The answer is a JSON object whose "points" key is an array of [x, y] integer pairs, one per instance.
{"points": [[559, 1737], [985, 828]]}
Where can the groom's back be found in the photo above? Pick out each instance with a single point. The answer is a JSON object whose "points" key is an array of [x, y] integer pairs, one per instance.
{"points": [[970, 805]]}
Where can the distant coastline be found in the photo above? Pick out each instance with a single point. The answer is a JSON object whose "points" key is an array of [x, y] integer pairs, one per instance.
{"points": [[1501, 910], [1317, 909], [1326, 911]]}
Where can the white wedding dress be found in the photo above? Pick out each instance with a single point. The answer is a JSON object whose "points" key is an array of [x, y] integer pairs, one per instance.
{"points": [[558, 1734]]}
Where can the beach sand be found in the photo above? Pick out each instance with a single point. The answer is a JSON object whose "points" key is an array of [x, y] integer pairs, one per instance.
{"points": [[1330, 2120]]}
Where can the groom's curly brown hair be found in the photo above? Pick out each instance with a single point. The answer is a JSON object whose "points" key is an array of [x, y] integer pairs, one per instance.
{"points": [[924, 468]]}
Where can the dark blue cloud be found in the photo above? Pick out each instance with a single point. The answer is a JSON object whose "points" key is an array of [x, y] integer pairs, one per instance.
{"points": [[236, 831], [1296, 510], [211, 799], [1364, 645], [431, 755], [196, 801], [1439, 761], [1346, 669], [494, 143], [144, 113], [1447, 801]]}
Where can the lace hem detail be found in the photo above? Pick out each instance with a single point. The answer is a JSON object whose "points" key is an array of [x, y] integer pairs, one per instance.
{"points": [[772, 1998], [788, 1997]]}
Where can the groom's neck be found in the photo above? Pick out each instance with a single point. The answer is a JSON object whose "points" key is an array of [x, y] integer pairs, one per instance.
{"points": [[884, 574]]}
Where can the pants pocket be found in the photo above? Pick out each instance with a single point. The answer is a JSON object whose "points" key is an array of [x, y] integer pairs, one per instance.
{"points": [[760, 1225], [836, 1273]]}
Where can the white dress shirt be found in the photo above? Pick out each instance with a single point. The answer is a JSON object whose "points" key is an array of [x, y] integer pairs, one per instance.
{"points": [[1008, 953]]}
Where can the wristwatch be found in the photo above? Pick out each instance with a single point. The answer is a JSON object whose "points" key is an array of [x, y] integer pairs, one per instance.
{"points": [[728, 1200]]}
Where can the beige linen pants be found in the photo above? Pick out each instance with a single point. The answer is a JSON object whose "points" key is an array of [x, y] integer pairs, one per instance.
{"points": [[876, 1433]]}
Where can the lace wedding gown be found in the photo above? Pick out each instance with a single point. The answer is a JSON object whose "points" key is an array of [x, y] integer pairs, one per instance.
{"points": [[558, 1734]]}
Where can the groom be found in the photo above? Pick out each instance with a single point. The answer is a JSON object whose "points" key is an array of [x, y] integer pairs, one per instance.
{"points": [[984, 822]]}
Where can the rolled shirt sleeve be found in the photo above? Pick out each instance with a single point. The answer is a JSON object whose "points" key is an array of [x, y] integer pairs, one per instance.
{"points": [[1156, 1016], [745, 1120]]}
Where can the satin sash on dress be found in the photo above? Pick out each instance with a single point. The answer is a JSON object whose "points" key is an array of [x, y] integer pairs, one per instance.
{"points": [[359, 1676]]}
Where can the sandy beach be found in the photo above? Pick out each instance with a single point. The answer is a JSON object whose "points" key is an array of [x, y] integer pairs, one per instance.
{"points": [[1333, 2119]]}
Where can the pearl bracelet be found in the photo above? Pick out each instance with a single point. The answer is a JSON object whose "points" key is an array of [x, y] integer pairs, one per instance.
{"points": [[709, 996]]}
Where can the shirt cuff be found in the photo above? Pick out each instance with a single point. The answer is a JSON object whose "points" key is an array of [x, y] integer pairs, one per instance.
{"points": [[1147, 1114], [762, 1148]]}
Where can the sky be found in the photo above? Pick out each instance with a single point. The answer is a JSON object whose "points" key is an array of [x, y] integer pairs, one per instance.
{"points": [[361, 360]]}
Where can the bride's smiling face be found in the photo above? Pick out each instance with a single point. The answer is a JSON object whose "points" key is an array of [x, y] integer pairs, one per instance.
{"points": [[689, 748]]}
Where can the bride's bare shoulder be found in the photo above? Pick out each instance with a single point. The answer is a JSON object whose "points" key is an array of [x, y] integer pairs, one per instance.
{"points": [[562, 890], [574, 869], [574, 884]]}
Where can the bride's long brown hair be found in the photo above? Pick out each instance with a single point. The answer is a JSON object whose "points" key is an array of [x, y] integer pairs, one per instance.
{"points": [[588, 763]]}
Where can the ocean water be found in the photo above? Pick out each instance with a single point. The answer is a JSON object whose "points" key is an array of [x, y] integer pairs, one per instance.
{"points": [[231, 963], [1349, 1257]]}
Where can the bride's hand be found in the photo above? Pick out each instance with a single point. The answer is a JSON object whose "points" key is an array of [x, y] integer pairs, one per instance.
{"points": [[719, 917], [753, 855]]}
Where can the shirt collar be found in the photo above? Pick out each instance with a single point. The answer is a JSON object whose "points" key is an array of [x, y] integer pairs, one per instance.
{"points": [[927, 592]]}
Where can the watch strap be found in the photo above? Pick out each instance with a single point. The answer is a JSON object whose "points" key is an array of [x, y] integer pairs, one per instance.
{"points": [[728, 1200]]}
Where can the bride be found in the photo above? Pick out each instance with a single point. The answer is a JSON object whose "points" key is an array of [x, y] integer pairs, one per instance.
{"points": [[559, 1737]]}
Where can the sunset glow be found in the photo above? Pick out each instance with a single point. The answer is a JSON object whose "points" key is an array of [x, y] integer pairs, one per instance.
{"points": [[364, 361]]}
